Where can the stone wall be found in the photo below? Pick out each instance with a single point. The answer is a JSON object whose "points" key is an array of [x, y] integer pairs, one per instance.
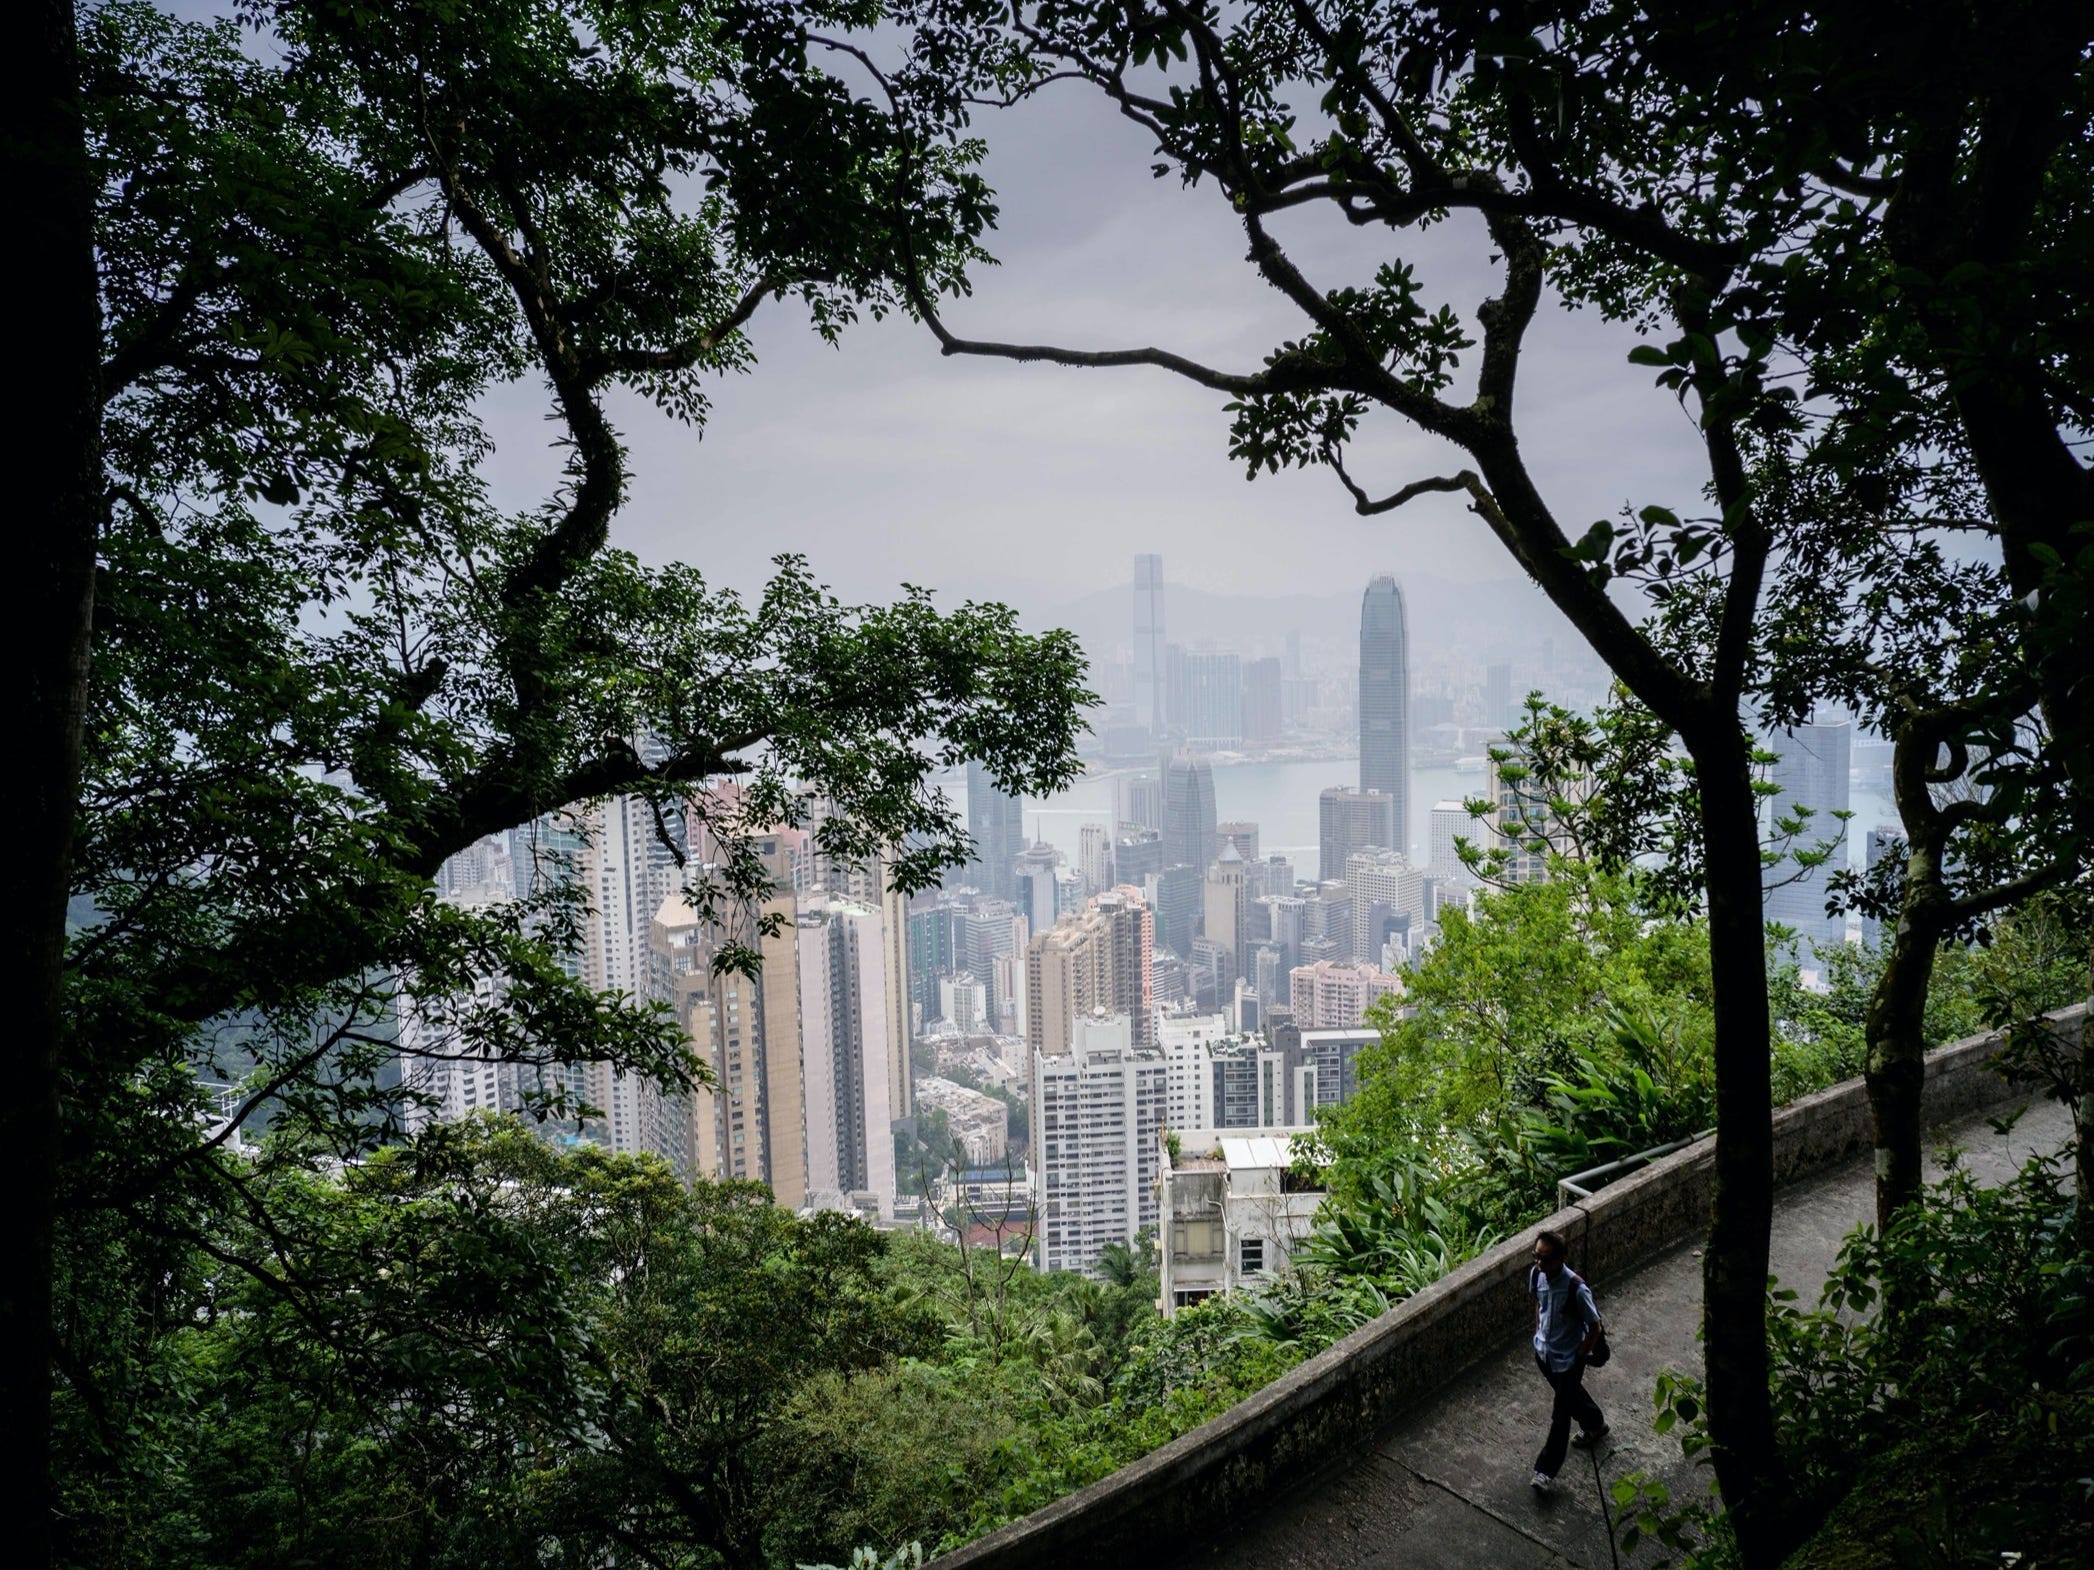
{"points": [[1341, 1398]]}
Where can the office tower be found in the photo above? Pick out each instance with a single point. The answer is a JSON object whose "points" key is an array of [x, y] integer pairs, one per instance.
{"points": [[846, 1051], [1886, 842], [1268, 972], [1207, 971], [930, 956], [1099, 959], [996, 821], [1284, 923], [1178, 897], [983, 942], [750, 1121], [1385, 745], [1327, 996], [1137, 801], [1293, 652], [1383, 884], [1174, 686], [1327, 918], [1150, 689], [1035, 889], [1450, 821], [1811, 772], [1188, 813], [1279, 875], [1098, 1112], [1244, 836], [1212, 718], [1136, 857], [1264, 717], [1094, 858], [1497, 696], [1224, 910], [1348, 821], [1166, 978]]}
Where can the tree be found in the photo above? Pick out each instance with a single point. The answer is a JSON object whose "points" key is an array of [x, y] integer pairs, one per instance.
{"points": [[323, 661]]}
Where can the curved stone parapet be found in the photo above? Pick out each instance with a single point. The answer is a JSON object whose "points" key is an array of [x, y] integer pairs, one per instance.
{"points": [[1343, 1397]]}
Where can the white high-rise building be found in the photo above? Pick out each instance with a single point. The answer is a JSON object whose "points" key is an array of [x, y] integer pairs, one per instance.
{"points": [[847, 1051], [1450, 821], [1187, 1042], [627, 872], [1097, 1115]]}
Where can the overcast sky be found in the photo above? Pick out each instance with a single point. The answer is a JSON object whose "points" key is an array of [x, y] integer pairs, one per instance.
{"points": [[884, 463]]}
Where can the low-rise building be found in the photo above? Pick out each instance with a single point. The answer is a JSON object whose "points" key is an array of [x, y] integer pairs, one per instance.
{"points": [[980, 1124], [1232, 1209]]}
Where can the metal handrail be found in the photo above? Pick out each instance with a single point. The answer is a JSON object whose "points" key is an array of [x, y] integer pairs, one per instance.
{"points": [[1582, 1185]]}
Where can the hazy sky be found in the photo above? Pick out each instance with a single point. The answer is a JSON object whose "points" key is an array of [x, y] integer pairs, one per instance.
{"points": [[884, 463]]}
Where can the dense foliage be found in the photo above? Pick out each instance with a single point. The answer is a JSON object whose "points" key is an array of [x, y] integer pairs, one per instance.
{"points": [[478, 1349], [1937, 1404]]}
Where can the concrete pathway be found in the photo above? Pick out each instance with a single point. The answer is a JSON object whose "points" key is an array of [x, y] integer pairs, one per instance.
{"points": [[1448, 1485]]}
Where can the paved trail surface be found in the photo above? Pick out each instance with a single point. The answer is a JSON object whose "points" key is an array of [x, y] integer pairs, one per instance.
{"points": [[1447, 1487]]}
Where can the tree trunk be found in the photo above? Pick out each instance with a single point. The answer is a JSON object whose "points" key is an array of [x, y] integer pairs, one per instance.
{"points": [[1734, 1269], [57, 483], [1897, 1045]]}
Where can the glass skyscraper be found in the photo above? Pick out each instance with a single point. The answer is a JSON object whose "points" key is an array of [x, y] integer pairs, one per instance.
{"points": [[1149, 680], [1812, 772], [1188, 813], [996, 820], [1385, 700]]}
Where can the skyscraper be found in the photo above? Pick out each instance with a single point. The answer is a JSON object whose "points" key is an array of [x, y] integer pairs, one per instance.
{"points": [[846, 1050], [1097, 960], [1497, 695], [749, 1121], [1149, 680], [1188, 813], [997, 822], [1812, 773], [1099, 1106], [1213, 716], [1385, 690], [1224, 902], [1348, 821], [1450, 822], [1263, 715]]}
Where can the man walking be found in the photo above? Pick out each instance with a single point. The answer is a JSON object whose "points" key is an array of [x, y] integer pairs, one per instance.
{"points": [[1566, 1327]]}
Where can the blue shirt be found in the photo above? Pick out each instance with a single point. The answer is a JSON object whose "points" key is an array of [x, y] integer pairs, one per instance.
{"points": [[1567, 1312]]}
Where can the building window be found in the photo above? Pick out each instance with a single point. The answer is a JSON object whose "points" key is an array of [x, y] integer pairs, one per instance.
{"points": [[1251, 1253]]}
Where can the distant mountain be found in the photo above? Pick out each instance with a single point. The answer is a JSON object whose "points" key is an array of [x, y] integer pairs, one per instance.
{"points": [[1502, 617]]}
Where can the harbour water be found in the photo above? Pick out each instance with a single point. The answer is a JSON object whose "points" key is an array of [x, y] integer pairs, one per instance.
{"points": [[1281, 798]]}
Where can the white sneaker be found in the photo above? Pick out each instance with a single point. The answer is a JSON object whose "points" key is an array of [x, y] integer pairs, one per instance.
{"points": [[1543, 1483]]}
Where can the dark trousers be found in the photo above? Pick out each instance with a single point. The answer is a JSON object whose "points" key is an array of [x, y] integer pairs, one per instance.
{"points": [[1571, 1402]]}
